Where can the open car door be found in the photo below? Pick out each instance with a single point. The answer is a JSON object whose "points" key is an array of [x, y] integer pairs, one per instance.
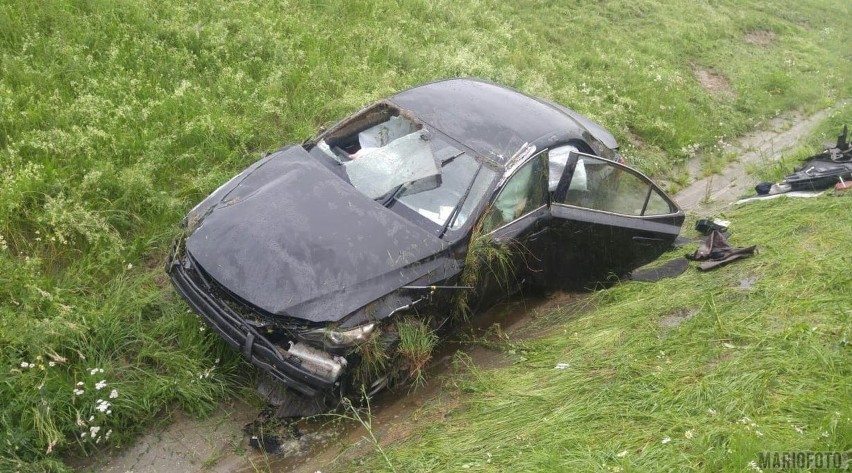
{"points": [[518, 220], [607, 219]]}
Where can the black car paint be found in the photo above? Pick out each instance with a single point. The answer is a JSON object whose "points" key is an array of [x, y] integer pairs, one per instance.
{"points": [[295, 240], [291, 243], [495, 121]]}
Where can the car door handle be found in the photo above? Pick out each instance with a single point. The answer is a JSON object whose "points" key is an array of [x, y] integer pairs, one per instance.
{"points": [[647, 240], [538, 234]]}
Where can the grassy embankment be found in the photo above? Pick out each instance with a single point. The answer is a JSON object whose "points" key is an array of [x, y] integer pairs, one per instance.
{"points": [[697, 373], [116, 117]]}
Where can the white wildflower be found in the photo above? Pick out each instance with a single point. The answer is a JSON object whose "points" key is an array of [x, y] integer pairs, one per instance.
{"points": [[79, 383], [667, 440], [129, 265], [113, 394], [51, 363], [78, 392], [109, 432], [798, 429], [689, 434], [621, 454], [711, 411], [100, 384], [102, 405], [752, 465], [91, 418], [95, 371], [24, 364], [93, 430]]}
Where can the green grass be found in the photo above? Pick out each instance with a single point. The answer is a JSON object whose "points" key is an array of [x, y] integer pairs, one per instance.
{"points": [[116, 117], [416, 343], [721, 371]]}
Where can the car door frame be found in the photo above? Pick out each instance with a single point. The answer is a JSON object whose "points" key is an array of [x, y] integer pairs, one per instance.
{"points": [[578, 232], [527, 235]]}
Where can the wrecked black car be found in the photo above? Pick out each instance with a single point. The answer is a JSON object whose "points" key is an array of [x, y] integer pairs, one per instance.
{"points": [[418, 209]]}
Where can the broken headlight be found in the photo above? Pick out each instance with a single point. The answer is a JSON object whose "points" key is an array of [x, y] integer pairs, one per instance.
{"points": [[339, 338]]}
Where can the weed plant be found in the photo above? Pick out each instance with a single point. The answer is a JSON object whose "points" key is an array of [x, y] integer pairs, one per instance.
{"points": [[416, 342]]}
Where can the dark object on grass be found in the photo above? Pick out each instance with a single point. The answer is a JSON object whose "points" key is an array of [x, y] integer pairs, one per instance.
{"points": [[705, 226], [717, 252], [673, 268], [268, 431], [824, 170], [842, 151], [763, 188], [821, 171], [818, 174], [268, 443], [306, 261]]}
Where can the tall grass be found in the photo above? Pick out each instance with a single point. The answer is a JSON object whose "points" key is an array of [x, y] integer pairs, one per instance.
{"points": [[116, 117]]}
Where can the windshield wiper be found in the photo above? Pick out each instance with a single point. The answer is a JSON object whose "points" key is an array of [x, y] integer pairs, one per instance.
{"points": [[451, 158], [458, 206], [392, 195]]}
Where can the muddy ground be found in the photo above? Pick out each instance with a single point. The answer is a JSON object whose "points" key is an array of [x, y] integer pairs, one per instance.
{"points": [[219, 444]]}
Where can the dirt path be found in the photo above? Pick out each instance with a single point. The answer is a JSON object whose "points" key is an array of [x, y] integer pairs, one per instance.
{"points": [[707, 195], [218, 444]]}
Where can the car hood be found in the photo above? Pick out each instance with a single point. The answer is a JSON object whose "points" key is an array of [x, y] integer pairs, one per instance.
{"points": [[292, 238]]}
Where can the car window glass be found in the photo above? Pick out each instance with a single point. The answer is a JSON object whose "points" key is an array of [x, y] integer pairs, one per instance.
{"points": [[556, 160], [437, 204], [657, 205], [480, 186], [600, 185], [375, 171], [525, 191]]}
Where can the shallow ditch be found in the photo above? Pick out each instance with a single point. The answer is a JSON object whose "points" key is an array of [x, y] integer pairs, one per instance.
{"points": [[219, 444]]}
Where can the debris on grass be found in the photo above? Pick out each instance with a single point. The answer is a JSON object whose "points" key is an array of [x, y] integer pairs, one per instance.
{"points": [[830, 168], [717, 252]]}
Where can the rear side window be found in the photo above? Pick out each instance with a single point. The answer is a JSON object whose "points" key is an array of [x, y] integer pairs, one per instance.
{"points": [[599, 184]]}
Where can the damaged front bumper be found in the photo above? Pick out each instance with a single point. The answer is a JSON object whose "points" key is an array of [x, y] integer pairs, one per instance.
{"points": [[301, 367]]}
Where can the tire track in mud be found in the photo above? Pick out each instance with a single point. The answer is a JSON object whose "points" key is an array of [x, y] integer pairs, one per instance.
{"points": [[218, 443]]}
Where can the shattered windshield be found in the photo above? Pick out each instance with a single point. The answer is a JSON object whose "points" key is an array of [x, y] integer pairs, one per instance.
{"points": [[393, 159], [462, 175]]}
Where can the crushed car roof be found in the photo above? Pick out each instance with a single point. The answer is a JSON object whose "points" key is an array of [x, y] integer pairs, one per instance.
{"points": [[494, 121]]}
